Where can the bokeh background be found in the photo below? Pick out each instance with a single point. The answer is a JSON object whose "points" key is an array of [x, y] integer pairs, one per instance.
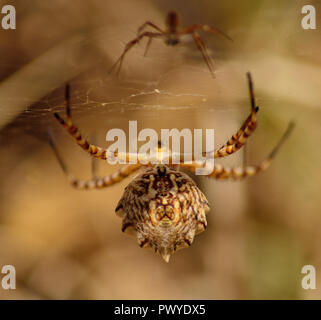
{"points": [[68, 244]]}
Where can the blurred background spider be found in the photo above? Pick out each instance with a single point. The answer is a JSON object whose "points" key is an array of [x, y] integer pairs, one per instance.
{"points": [[162, 206], [172, 37]]}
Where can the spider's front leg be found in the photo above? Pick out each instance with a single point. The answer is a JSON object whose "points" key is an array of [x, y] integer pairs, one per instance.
{"points": [[237, 141], [150, 24], [132, 43], [95, 182], [202, 47], [225, 173], [199, 42], [93, 150]]}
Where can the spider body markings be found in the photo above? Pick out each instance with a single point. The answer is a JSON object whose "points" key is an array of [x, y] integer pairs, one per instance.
{"points": [[162, 206], [171, 35]]}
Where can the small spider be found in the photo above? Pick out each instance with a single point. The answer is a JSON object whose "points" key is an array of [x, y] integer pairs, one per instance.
{"points": [[172, 37], [162, 206]]}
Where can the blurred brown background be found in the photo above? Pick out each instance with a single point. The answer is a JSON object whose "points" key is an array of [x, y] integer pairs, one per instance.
{"points": [[68, 244]]}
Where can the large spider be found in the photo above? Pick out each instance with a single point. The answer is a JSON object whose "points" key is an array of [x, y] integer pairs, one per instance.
{"points": [[162, 206], [172, 37]]}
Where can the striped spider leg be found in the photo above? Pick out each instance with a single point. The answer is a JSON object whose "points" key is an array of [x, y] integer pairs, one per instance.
{"points": [[236, 142], [172, 36], [94, 182], [226, 173], [93, 150]]}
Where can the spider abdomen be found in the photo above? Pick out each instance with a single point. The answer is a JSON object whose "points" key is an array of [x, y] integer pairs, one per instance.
{"points": [[164, 209]]}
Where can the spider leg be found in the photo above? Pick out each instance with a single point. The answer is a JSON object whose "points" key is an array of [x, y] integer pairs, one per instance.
{"points": [[106, 181], [206, 28], [129, 45], [202, 47], [151, 24], [147, 46], [239, 139], [237, 173], [251, 120], [95, 182], [93, 150]]}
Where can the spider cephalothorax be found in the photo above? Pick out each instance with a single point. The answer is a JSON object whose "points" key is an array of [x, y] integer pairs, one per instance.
{"points": [[164, 209]]}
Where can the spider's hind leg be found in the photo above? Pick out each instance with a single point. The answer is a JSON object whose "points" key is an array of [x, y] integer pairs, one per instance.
{"points": [[202, 47], [95, 182], [225, 173]]}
